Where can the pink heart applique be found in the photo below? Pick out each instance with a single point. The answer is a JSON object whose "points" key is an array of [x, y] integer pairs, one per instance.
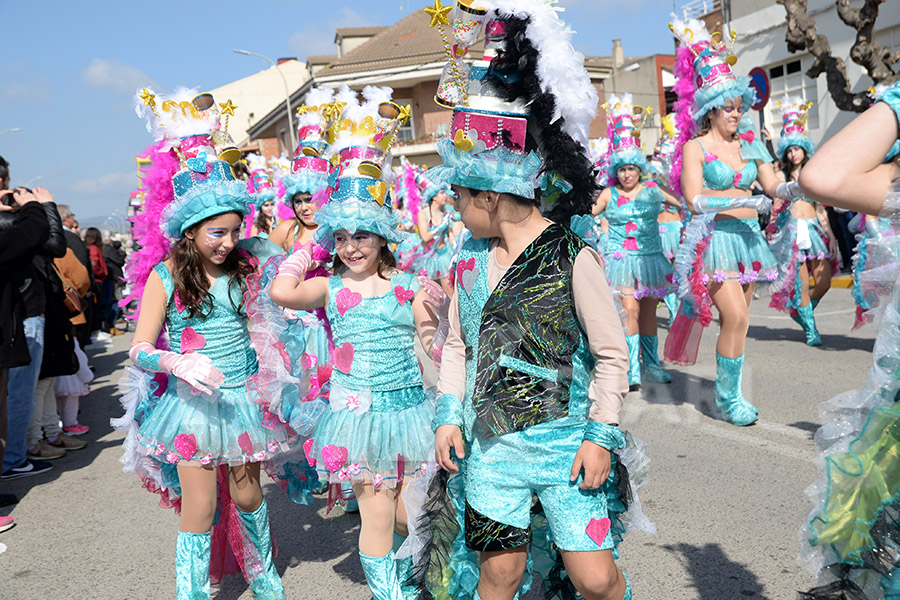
{"points": [[747, 136], [245, 443], [323, 373], [402, 294], [462, 267], [343, 357], [710, 157], [630, 227], [179, 305], [630, 244], [737, 180], [622, 200], [670, 277], [307, 448], [334, 457], [597, 530], [191, 340], [346, 299], [757, 266], [186, 444], [650, 184]]}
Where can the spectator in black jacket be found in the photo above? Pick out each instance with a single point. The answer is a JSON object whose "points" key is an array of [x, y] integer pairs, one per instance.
{"points": [[24, 229], [32, 284]]}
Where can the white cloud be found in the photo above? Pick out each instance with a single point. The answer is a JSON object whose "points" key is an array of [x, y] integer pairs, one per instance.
{"points": [[116, 76], [33, 91], [116, 183]]}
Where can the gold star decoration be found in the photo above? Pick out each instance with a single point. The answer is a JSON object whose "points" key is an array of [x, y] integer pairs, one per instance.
{"points": [[438, 13], [302, 109], [148, 98], [333, 111], [228, 107], [405, 114]]}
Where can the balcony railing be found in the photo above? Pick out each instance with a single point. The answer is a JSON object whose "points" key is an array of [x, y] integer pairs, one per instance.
{"points": [[695, 9]]}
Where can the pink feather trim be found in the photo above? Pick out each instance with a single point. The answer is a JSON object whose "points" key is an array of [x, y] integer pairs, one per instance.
{"points": [[685, 89]]}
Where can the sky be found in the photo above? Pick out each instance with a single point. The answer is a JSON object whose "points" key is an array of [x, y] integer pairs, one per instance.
{"points": [[69, 71]]}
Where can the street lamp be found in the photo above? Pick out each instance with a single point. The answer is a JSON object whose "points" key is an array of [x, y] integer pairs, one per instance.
{"points": [[287, 94], [13, 130]]}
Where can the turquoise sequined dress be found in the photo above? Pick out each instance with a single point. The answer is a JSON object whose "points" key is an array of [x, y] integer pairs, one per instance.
{"points": [[167, 422], [379, 422], [634, 255], [435, 258], [670, 234]]}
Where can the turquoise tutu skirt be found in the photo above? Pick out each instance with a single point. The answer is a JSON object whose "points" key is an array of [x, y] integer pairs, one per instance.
{"points": [[644, 275], [670, 233], [225, 428], [373, 436], [813, 242], [738, 250]]}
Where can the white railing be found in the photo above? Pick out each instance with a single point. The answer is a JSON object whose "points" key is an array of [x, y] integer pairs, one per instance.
{"points": [[694, 9]]}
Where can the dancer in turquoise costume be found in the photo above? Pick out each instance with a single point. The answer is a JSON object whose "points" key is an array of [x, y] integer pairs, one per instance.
{"points": [[194, 420], [521, 408], [799, 234], [377, 432], [263, 193], [636, 267], [850, 537], [723, 256], [439, 232]]}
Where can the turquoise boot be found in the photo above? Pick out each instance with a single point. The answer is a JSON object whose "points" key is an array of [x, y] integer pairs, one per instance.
{"points": [[814, 303], [808, 322], [404, 570], [650, 357], [672, 303], [634, 362], [381, 575], [267, 586], [351, 505], [192, 566], [627, 595], [734, 408]]}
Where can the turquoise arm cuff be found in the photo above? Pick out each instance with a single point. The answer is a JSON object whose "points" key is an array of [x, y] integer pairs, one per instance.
{"points": [[608, 436], [891, 97], [148, 361], [449, 412]]}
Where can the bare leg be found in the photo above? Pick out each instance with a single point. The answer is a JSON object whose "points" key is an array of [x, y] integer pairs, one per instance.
{"points": [[730, 299], [821, 272], [198, 498], [631, 307], [803, 274], [501, 573], [647, 316], [595, 574], [243, 484], [377, 511]]}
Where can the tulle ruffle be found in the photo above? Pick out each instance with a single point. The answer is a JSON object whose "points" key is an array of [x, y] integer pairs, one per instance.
{"points": [[876, 264], [375, 446], [644, 275], [851, 531]]}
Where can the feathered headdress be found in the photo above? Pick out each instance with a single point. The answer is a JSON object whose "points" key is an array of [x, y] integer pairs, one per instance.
{"points": [[794, 114], [624, 132], [530, 92], [360, 137]]}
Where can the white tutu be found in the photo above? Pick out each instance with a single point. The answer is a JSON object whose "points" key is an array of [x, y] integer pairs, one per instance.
{"points": [[77, 384]]}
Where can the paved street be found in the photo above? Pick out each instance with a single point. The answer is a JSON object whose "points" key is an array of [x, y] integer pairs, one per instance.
{"points": [[728, 502]]}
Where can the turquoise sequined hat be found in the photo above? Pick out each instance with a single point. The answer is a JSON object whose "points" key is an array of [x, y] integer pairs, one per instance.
{"points": [[624, 132], [715, 82], [261, 185], [205, 186], [360, 139], [793, 126]]}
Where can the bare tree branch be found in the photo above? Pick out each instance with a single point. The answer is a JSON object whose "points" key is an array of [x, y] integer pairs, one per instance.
{"points": [[802, 34]]}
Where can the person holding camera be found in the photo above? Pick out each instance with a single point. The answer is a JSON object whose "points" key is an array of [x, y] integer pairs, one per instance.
{"points": [[31, 281]]}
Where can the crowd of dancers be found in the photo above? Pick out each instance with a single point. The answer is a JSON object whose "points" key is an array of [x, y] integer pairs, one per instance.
{"points": [[283, 317]]}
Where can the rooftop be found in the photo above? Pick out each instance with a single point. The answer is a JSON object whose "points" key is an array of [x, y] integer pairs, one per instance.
{"points": [[351, 32]]}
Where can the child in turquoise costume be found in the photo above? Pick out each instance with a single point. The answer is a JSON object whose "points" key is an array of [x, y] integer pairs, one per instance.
{"points": [[194, 421], [799, 234], [636, 267], [532, 317], [850, 536], [376, 434], [723, 255]]}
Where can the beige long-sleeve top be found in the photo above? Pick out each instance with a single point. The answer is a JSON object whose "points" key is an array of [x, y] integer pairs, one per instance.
{"points": [[599, 319]]}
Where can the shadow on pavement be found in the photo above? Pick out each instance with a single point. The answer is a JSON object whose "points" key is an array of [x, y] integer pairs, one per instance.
{"points": [[715, 575], [95, 410]]}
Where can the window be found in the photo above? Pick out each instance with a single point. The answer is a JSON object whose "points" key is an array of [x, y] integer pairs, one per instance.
{"points": [[407, 132], [789, 79]]}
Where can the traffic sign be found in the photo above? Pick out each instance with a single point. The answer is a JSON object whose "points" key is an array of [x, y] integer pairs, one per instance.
{"points": [[759, 81]]}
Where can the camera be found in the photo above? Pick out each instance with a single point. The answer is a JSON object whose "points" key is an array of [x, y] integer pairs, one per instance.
{"points": [[9, 200]]}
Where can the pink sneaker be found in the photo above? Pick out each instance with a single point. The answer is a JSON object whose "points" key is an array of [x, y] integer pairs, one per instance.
{"points": [[6, 523], [76, 430]]}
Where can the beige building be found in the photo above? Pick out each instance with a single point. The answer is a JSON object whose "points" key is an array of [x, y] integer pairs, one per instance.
{"points": [[409, 57], [257, 95]]}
